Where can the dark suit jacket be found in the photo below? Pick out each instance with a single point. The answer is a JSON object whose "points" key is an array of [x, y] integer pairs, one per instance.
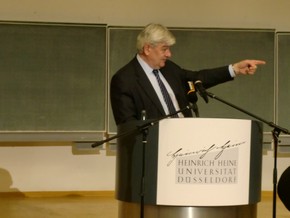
{"points": [[131, 91]]}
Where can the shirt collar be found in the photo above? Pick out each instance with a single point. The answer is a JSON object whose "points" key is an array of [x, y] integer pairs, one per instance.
{"points": [[144, 65]]}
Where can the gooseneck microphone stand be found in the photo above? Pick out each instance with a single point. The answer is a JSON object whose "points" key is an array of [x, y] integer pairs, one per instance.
{"points": [[275, 133], [194, 109], [144, 128], [144, 145]]}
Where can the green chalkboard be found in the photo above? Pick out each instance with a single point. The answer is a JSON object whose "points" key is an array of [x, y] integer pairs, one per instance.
{"points": [[283, 106], [206, 48], [52, 77], [122, 48]]}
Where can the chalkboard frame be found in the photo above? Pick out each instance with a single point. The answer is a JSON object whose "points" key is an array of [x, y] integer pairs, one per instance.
{"points": [[89, 40], [283, 79], [110, 67]]}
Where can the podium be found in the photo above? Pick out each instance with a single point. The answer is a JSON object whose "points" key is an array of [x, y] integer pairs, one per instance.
{"points": [[194, 168]]}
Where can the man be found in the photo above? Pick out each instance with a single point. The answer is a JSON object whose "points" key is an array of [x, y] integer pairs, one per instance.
{"points": [[152, 83]]}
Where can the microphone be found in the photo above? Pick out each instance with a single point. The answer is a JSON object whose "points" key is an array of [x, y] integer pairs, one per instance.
{"points": [[143, 115], [191, 94], [192, 98], [201, 90]]}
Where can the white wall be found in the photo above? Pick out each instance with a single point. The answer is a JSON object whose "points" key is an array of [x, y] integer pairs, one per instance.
{"points": [[193, 13], [55, 168]]}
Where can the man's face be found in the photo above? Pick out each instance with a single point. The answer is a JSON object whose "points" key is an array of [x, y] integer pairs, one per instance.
{"points": [[157, 55]]}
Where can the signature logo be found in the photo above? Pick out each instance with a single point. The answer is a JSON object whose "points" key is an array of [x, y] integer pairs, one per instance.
{"points": [[203, 152]]}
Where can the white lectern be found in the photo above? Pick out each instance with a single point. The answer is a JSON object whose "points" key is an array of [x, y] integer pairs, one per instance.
{"points": [[194, 168]]}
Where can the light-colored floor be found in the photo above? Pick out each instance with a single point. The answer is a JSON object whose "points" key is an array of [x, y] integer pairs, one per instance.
{"points": [[265, 208], [53, 207], [74, 206]]}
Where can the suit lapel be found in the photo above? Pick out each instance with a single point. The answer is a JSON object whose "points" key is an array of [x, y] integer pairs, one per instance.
{"points": [[146, 85], [175, 86], [171, 81]]}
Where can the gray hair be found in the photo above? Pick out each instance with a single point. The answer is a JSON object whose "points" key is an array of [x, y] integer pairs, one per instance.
{"points": [[154, 34]]}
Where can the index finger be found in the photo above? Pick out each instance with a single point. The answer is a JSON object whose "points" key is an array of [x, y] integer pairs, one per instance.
{"points": [[258, 62]]}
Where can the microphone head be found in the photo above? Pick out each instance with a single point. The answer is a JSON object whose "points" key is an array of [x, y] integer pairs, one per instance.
{"points": [[191, 96], [201, 90], [143, 115]]}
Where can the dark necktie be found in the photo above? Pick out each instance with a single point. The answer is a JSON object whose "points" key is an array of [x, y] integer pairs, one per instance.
{"points": [[165, 94]]}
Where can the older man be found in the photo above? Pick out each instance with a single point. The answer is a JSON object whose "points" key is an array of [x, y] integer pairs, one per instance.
{"points": [[152, 83]]}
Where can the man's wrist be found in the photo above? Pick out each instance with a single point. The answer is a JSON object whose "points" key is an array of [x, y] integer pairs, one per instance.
{"points": [[232, 70]]}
